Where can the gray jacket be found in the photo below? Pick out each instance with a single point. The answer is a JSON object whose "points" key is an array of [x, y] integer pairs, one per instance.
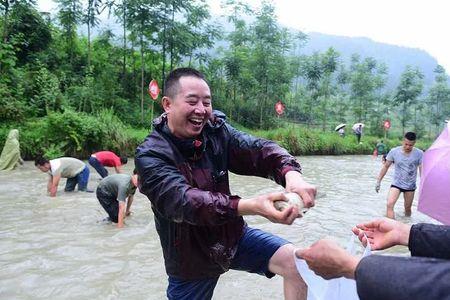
{"points": [[425, 275]]}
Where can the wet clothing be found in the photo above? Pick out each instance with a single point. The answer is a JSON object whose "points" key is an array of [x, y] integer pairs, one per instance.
{"points": [[187, 183], [111, 190], [73, 169], [400, 189], [101, 159], [10, 156], [425, 275], [254, 251], [405, 167]]}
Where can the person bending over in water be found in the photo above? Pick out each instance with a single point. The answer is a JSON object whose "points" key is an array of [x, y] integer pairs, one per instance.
{"points": [[425, 275], [183, 169], [76, 172], [115, 194], [102, 159], [407, 159]]}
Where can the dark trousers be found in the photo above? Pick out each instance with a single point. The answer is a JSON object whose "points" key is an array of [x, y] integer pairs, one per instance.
{"points": [[81, 179], [98, 166], [109, 204]]}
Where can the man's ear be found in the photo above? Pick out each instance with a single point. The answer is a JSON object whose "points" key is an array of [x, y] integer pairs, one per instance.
{"points": [[166, 104]]}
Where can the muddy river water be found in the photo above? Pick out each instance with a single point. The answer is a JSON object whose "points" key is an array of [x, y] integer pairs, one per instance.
{"points": [[59, 248]]}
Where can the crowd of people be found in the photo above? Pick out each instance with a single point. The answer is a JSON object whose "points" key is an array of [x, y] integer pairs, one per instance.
{"points": [[183, 168]]}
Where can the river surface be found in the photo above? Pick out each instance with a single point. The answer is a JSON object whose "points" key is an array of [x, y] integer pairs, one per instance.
{"points": [[59, 248]]}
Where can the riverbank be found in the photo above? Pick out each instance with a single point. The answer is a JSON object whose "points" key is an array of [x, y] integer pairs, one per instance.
{"points": [[79, 135]]}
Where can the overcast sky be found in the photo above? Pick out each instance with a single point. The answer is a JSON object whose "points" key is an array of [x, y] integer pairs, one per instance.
{"points": [[411, 23]]}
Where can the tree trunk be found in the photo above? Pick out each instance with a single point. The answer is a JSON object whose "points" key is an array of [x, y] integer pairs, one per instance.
{"points": [[142, 76], [124, 44]]}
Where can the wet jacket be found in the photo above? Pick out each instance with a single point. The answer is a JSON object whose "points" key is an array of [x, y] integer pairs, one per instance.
{"points": [[195, 214], [425, 275]]}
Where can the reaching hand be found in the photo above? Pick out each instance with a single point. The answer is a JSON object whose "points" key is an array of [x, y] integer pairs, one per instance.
{"points": [[329, 260], [264, 206], [296, 184], [383, 233], [377, 187]]}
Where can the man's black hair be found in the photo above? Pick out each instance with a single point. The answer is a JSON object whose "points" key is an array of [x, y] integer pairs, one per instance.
{"points": [[123, 160], [171, 83], [40, 161], [135, 171], [410, 136]]}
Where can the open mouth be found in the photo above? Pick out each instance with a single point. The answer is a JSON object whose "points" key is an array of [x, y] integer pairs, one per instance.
{"points": [[196, 121]]}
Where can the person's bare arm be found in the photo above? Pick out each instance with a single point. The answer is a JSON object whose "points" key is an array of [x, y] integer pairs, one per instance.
{"points": [[121, 215], [53, 185], [129, 202], [118, 169], [383, 172]]}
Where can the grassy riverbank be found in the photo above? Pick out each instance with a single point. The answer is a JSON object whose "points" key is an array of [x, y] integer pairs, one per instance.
{"points": [[300, 140], [78, 135]]}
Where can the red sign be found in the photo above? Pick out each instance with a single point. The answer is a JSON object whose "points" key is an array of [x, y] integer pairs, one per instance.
{"points": [[387, 124], [153, 89], [279, 108]]}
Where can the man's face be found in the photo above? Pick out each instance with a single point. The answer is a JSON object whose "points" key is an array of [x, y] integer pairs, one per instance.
{"points": [[44, 168], [408, 145], [189, 110]]}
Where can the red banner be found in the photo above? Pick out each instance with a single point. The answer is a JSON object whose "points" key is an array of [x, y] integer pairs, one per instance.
{"points": [[279, 108], [387, 124]]}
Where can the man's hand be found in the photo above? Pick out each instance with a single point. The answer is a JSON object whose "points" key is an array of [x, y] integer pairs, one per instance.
{"points": [[377, 186], [329, 260], [263, 206], [296, 184], [383, 233]]}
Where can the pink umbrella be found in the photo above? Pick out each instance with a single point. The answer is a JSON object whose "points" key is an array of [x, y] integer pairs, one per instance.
{"points": [[434, 197]]}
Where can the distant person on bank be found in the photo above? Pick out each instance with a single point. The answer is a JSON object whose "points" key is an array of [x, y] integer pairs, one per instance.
{"points": [[76, 172], [381, 148], [115, 194], [358, 133], [407, 159], [10, 157], [102, 159]]}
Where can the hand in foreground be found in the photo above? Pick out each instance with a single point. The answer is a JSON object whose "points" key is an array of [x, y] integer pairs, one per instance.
{"points": [[296, 184], [329, 260], [263, 206], [383, 233], [377, 186]]}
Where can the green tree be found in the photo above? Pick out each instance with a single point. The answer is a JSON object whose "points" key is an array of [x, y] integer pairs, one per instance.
{"points": [[408, 90], [439, 98]]}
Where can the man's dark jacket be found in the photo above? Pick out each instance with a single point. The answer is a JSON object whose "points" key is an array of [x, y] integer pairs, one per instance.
{"points": [[195, 214], [425, 275]]}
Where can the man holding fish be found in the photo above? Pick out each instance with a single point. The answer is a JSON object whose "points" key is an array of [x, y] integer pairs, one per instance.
{"points": [[183, 169]]}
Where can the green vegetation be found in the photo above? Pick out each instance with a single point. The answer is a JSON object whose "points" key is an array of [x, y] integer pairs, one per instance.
{"points": [[71, 94]]}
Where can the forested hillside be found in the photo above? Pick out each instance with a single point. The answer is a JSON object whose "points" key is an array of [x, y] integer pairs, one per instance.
{"points": [[72, 93]]}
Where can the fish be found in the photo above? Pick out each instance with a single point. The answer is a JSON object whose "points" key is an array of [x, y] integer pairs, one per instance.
{"points": [[293, 199]]}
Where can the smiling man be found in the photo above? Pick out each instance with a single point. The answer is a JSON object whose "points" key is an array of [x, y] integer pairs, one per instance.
{"points": [[183, 169], [406, 159]]}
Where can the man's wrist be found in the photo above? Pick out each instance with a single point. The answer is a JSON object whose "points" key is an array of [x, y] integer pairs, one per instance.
{"points": [[351, 267]]}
